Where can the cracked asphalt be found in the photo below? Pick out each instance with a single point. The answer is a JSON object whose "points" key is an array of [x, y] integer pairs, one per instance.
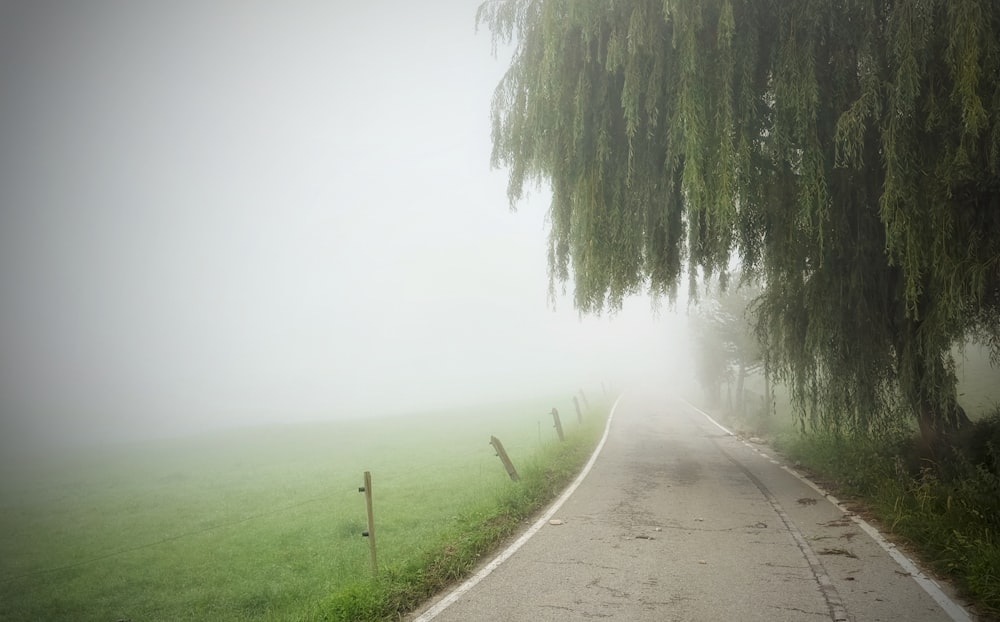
{"points": [[679, 521]]}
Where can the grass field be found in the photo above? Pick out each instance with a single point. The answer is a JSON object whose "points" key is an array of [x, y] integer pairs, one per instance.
{"points": [[250, 524]]}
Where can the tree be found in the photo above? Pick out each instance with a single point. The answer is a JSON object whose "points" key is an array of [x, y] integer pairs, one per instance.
{"points": [[712, 364], [726, 347], [846, 152]]}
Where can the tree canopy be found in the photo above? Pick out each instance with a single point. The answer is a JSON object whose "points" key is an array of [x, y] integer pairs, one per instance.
{"points": [[845, 152]]}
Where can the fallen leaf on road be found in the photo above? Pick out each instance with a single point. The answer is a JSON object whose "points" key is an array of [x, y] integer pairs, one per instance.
{"points": [[702, 561], [555, 521]]}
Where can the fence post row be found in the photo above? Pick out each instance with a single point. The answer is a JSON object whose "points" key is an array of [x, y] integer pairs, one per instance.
{"points": [[370, 534], [501, 453]]}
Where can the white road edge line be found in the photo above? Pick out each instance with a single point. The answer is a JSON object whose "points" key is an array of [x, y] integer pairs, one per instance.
{"points": [[457, 593], [955, 611]]}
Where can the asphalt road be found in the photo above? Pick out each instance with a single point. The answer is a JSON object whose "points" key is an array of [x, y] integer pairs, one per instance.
{"points": [[679, 520]]}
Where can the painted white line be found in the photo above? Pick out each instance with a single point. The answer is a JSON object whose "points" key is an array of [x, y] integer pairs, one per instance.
{"points": [[830, 594], [709, 417], [955, 611], [457, 593]]}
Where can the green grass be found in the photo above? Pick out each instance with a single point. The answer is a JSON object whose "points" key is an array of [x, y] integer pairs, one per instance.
{"points": [[482, 527], [263, 523]]}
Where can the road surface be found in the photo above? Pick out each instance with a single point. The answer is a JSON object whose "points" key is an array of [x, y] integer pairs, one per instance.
{"points": [[680, 520]]}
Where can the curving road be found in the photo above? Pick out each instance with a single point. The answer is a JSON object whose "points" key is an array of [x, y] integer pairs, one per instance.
{"points": [[680, 520]]}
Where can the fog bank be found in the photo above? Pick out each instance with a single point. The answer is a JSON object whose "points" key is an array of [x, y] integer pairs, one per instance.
{"points": [[235, 213]]}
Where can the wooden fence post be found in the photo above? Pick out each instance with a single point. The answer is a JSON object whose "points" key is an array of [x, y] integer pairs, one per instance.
{"points": [[505, 459], [579, 415], [559, 430], [586, 402], [370, 534]]}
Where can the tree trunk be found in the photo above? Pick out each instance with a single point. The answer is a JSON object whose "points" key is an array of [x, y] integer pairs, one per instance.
{"points": [[938, 423], [767, 390], [740, 404], [713, 393], [931, 386], [939, 414]]}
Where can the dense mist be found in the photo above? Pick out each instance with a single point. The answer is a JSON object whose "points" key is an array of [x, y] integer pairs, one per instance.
{"points": [[241, 212]]}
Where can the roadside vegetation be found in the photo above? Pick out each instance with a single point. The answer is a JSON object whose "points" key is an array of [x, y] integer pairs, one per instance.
{"points": [[949, 514], [944, 508], [481, 528], [266, 523]]}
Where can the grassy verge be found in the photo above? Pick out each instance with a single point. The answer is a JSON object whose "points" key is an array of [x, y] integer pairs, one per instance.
{"points": [[480, 529], [946, 511], [948, 514]]}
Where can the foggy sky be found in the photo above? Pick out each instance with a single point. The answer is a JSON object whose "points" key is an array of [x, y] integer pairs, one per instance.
{"points": [[229, 212]]}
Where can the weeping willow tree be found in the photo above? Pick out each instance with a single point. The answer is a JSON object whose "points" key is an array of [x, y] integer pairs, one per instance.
{"points": [[845, 152]]}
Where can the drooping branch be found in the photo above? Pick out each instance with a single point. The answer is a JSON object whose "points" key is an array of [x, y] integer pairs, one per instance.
{"points": [[847, 153]]}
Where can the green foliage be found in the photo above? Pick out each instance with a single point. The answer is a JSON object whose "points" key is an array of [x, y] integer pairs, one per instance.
{"points": [[848, 153], [979, 446]]}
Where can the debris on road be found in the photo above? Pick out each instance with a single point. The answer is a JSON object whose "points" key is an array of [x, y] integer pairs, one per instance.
{"points": [[843, 552]]}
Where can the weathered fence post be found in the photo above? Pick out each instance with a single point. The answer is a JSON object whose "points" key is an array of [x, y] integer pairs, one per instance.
{"points": [[579, 415], [586, 403], [370, 534], [559, 430], [504, 458]]}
